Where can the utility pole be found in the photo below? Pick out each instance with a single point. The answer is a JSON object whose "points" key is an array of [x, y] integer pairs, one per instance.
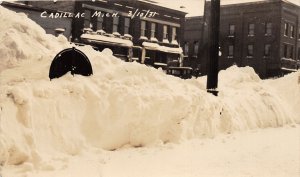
{"points": [[213, 65]]}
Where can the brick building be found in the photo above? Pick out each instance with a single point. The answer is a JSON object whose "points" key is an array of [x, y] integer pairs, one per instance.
{"points": [[160, 22], [264, 35], [51, 25], [156, 29]]}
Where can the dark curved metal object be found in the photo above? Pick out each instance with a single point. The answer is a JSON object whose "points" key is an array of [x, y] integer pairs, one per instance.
{"points": [[70, 59]]}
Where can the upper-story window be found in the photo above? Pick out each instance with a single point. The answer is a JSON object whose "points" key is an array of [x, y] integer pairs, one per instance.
{"points": [[87, 19], [250, 50], [286, 29], [153, 30], [196, 48], [115, 24], [174, 33], [100, 23], [230, 50], [126, 25], [186, 48], [267, 50], [291, 54], [251, 28], [285, 50], [165, 32], [143, 28], [292, 31], [231, 30], [268, 28]]}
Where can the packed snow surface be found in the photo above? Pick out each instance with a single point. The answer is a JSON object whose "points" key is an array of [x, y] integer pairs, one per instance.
{"points": [[43, 122]]}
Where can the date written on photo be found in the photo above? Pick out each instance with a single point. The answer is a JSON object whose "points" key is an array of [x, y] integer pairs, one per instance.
{"points": [[141, 14]]}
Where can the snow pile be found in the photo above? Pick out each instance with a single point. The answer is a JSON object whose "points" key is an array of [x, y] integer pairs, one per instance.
{"points": [[288, 88], [23, 39], [121, 104]]}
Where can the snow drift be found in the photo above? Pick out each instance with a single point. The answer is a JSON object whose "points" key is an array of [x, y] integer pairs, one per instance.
{"points": [[121, 103]]}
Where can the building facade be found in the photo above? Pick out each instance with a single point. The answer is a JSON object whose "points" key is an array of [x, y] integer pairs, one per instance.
{"points": [[193, 40], [139, 18], [264, 35], [51, 25]]}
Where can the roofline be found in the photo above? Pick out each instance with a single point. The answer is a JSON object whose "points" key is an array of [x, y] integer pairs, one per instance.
{"points": [[182, 12], [28, 7], [260, 2]]}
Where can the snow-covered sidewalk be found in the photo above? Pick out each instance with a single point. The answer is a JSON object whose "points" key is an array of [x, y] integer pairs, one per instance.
{"points": [[273, 152]]}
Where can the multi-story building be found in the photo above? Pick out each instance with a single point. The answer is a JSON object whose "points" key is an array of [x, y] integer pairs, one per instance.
{"points": [[154, 29], [193, 40], [264, 35], [138, 18]]}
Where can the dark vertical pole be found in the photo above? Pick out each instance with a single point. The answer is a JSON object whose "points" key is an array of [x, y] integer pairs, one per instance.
{"points": [[213, 68]]}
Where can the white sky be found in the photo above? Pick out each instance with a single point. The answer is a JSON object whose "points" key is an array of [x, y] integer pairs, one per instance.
{"points": [[196, 7]]}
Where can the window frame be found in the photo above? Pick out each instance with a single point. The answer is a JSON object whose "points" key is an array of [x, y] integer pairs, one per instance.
{"points": [[143, 28], [231, 30], [267, 50], [250, 52], [251, 30], [268, 28], [230, 51]]}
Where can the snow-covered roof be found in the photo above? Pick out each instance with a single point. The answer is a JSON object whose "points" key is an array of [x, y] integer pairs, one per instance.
{"points": [[105, 39], [155, 46]]}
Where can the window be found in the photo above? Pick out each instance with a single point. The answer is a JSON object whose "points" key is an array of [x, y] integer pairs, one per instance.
{"points": [[231, 30], [285, 50], [250, 50], [126, 25], [87, 19], [174, 33], [143, 28], [267, 50], [196, 48], [292, 31], [268, 30], [153, 29], [186, 48], [99, 23], [165, 32], [251, 29], [230, 50], [115, 24], [291, 52], [286, 29]]}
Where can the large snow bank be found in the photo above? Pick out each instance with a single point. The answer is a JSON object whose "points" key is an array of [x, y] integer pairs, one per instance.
{"points": [[121, 104]]}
